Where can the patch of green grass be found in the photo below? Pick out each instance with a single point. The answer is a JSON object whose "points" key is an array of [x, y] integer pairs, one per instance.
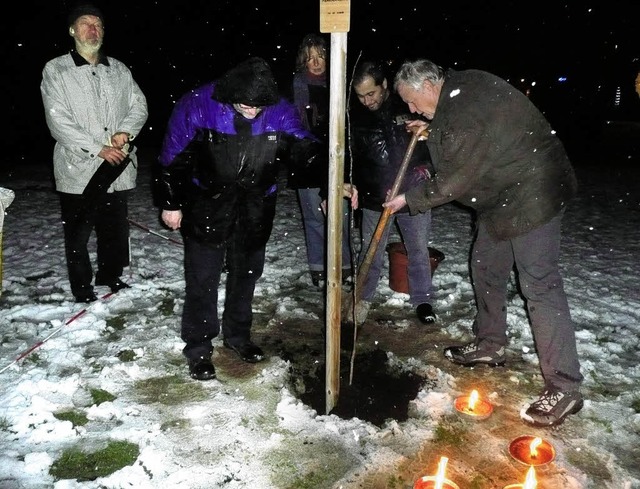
{"points": [[127, 355], [167, 306], [308, 464], [590, 464], [4, 424], [635, 405], [82, 466], [115, 326], [179, 423], [447, 433], [606, 424], [605, 389], [478, 482], [99, 396], [77, 418], [309, 481], [527, 387], [170, 390], [33, 358], [69, 370], [95, 366], [118, 323], [395, 482], [175, 361]]}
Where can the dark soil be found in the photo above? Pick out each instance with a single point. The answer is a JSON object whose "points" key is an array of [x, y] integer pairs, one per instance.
{"points": [[375, 394], [370, 388]]}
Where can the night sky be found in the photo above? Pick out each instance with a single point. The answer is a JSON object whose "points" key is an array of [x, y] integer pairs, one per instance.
{"points": [[172, 47]]}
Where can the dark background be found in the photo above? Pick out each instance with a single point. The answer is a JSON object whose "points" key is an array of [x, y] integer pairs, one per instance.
{"points": [[172, 47]]}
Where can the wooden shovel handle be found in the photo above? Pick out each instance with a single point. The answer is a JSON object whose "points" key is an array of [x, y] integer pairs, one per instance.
{"points": [[384, 219]]}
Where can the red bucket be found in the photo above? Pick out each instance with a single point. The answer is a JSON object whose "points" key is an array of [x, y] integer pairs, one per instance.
{"points": [[398, 261]]}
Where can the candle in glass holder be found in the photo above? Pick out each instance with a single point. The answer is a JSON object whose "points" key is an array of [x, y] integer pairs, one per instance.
{"points": [[437, 481], [531, 450], [473, 407], [529, 483]]}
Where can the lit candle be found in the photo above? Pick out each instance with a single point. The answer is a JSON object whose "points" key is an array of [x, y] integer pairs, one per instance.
{"points": [[472, 399], [438, 481], [529, 483], [532, 450], [473, 406]]}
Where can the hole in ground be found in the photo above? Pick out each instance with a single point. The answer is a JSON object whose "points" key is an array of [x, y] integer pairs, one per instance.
{"points": [[378, 391]]}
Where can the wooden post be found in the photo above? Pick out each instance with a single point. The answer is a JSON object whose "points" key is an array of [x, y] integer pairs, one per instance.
{"points": [[334, 216], [334, 18]]}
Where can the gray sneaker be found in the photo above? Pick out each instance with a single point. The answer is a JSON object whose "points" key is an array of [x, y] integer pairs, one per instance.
{"points": [[472, 354], [552, 407]]}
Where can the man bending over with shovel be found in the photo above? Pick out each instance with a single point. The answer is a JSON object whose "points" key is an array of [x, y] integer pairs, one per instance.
{"points": [[495, 153]]}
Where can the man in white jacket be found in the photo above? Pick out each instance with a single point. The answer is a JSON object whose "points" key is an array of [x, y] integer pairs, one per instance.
{"points": [[6, 197], [93, 108]]}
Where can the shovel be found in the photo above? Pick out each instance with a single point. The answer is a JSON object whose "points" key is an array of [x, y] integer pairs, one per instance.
{"points": [[354, 298]]}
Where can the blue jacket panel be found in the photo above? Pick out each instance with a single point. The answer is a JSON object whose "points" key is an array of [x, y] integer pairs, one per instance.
{"points": [[222, 169]]}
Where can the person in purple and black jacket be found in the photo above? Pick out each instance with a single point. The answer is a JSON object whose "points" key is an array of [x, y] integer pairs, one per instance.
{"points": [[218, 185]]}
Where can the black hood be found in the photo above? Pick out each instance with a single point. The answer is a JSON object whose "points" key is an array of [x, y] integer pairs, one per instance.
{"points": [[249, 83]]}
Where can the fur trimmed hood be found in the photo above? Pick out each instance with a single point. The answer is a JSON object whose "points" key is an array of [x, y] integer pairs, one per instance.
{"points": [[249, 83]]}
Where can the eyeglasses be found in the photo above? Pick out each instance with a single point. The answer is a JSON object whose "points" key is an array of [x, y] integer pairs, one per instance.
{"points": [[249, 107], [248, 111]]}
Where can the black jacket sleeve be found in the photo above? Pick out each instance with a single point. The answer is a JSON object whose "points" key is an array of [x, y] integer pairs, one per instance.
{"points": [[174, 181]]}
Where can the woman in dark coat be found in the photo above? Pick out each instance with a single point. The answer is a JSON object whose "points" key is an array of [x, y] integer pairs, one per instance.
{"points": [[311, 97]]}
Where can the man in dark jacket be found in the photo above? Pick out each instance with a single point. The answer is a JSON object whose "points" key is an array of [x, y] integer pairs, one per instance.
{"points": [[219, 186], [379, 141], [495, 152]]}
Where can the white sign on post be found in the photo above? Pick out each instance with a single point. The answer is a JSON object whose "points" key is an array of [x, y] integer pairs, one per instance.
{"points": [[334, 15]]}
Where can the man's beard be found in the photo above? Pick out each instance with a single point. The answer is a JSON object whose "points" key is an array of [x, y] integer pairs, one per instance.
{"points": [[91, 47]]}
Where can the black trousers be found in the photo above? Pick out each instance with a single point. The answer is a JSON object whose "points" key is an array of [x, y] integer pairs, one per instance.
{"points": [[203, 265], [107, 215]]}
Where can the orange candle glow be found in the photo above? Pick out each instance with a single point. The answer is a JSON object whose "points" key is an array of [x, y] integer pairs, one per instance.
{"points": [[473, 407], [439, 481], [473, 398], [442, 466], [532, 450], [530, 481]]}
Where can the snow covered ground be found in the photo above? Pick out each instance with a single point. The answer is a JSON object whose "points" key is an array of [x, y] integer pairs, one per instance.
{"points": [[247, 428]]}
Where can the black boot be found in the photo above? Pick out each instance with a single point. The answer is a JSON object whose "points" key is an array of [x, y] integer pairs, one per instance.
{"points": [[425, 313], [317, 277], [202, 369]]}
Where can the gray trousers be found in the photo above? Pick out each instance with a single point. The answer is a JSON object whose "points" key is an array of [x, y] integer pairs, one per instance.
{"points": [[536, 257]]}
